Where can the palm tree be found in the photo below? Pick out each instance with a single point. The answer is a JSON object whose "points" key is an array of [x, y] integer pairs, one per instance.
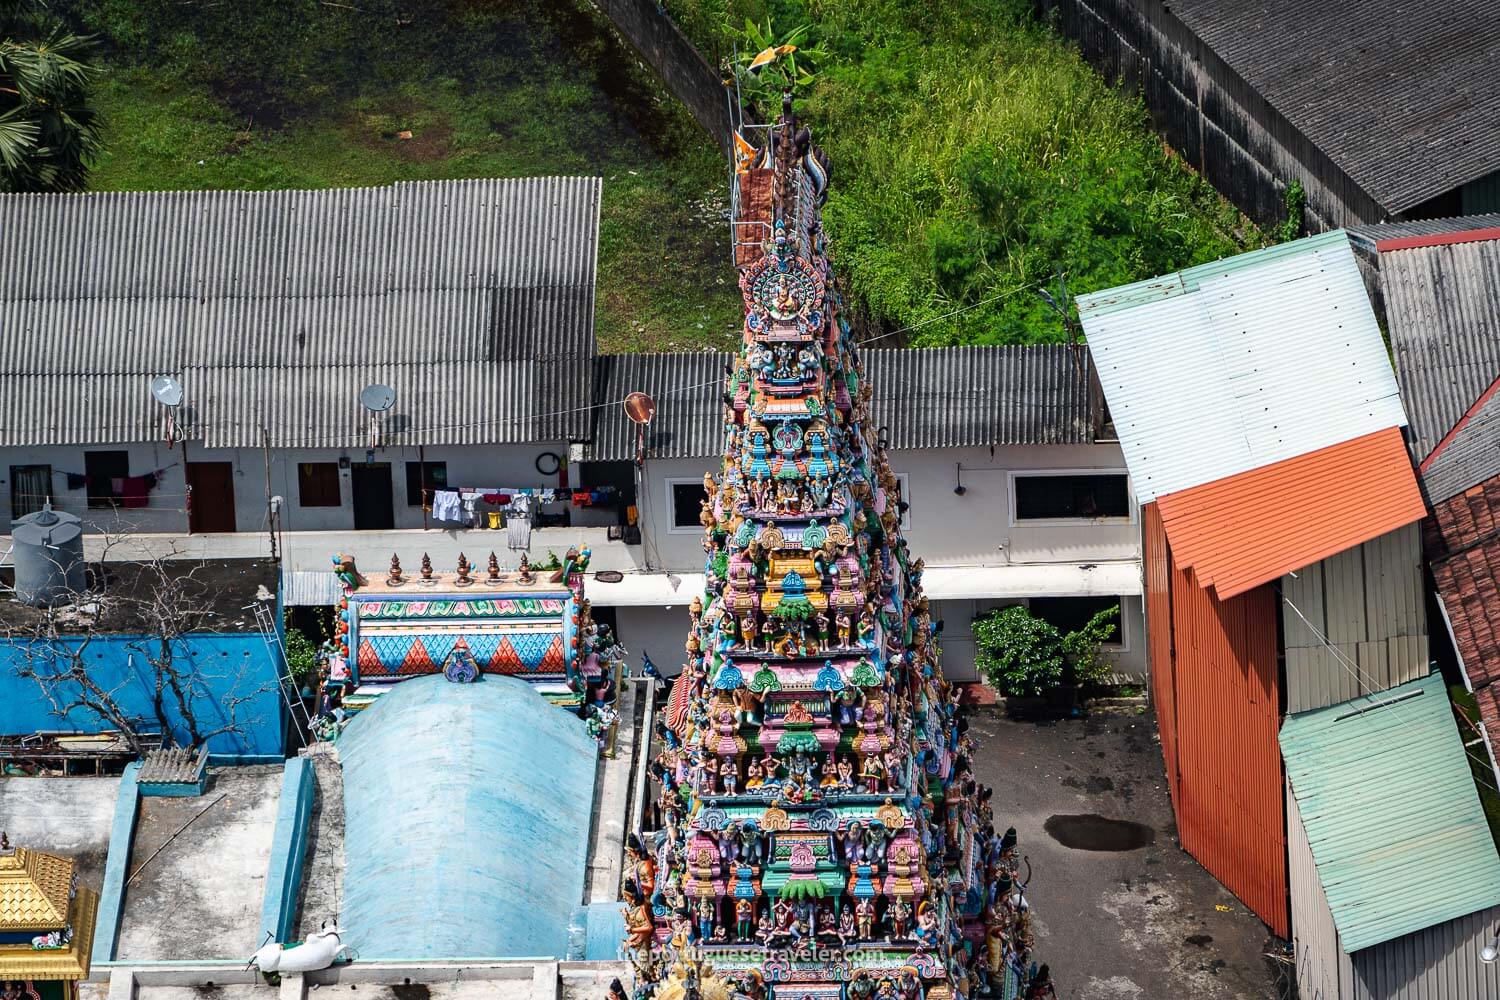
{"points": [[49, 135]]}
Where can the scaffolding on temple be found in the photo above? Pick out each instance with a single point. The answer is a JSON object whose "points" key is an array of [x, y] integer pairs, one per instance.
{"points": [[820, 834]]}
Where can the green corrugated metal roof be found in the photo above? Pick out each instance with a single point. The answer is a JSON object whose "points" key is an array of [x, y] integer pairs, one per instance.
{"points": [[1181, 282], [1390, 809]]}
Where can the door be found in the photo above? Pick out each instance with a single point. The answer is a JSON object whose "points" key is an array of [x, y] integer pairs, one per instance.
{"points": [[212, 487], [373, 506]]}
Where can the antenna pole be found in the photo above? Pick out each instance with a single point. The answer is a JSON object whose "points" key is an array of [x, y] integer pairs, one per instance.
{"points": [[265, 442], [188, 486]]}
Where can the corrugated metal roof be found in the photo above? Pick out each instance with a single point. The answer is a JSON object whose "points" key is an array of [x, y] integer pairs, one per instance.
{"points": [[1395, 95], [449, 789], [1383, 786], [310, 588], [944, 397], [1230, 366], [1245, 530], [1364, 238], [1443, 310], [276, 307]]}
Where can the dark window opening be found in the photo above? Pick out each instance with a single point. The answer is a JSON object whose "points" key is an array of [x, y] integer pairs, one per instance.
{"points": [[105, 470], [1078, 497], [318, 484], [30, 488], [687, 504], [1069, 614], [422, 479]]}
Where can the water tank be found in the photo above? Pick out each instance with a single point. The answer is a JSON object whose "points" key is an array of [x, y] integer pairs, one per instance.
{"points": [[47, 548]]}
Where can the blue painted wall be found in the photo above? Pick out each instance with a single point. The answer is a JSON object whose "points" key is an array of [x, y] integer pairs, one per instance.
{"points": [[229, 665], [121, 837], [288, 850]]}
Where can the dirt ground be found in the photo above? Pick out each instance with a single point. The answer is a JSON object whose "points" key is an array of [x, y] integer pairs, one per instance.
{"points": [[1121, 912]]}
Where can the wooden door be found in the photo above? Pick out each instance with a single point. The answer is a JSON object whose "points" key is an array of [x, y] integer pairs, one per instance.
{"points": [[212, 487]]}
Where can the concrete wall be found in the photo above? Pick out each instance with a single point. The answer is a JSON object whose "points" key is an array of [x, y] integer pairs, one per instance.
{"points": [[225, 666], [943, 528], [288, 850], [646, 25], [1208, 114], [468, 465]]}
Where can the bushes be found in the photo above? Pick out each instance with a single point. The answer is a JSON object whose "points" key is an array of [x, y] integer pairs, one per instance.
{"points": [[974, 157], [1023, 655]]}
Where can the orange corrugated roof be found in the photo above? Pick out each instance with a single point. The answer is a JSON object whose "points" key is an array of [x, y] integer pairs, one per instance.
{"points": [[1244, 530]]}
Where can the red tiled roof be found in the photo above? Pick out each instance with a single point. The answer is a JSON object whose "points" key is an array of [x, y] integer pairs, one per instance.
{"points": [[1463, 544], [1244, 530]]}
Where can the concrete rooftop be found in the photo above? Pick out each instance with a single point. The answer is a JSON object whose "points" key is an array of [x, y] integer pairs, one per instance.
{"points": [[68, 816], [200, 898]]}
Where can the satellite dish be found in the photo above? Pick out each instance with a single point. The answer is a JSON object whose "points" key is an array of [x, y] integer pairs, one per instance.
{"points": [[640, 408], [167, 390], [377, 398]]}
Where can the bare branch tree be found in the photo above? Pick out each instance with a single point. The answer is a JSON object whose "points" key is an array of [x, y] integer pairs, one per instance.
{"points": [[164, 601]]}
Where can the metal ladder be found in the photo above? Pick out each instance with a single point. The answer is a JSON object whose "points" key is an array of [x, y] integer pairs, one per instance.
{"points": [[287, 684]]}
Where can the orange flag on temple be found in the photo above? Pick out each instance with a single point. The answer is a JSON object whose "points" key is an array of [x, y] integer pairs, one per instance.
{"points": [[744, 153]]}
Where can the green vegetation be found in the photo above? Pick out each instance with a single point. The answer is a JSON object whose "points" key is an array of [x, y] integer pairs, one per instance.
{"points": [[1023, 655], [303, 94], [48, 131], [1466, 712], [976, 157]]}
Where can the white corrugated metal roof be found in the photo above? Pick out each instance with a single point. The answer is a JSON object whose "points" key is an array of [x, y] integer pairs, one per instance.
{"points": [[1234, 365]]}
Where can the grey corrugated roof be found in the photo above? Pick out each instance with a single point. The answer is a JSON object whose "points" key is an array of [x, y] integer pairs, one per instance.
{"points": [[474, 298], [689, 394], [310, 588], [1364, 238], [945, 397], [1443, 312], [1402, 97]]}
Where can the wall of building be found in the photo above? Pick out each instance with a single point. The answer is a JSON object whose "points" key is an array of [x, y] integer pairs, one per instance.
{"points": [[1218, 123], [1323, 970], [943, 528], [1219, 708], [959, 654], [166, 510], [227, 667], [659, 631], [1369, 604]]}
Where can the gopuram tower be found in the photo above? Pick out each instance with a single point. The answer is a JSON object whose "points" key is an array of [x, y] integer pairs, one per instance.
{"points": [[820, 833]]}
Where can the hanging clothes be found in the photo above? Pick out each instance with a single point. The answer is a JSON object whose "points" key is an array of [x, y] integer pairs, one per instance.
{"points": [[518, 531], [133, 491], [447, 506]]}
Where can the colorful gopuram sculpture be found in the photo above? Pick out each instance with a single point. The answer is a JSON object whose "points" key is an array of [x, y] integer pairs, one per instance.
{"points": [[820, 833]]}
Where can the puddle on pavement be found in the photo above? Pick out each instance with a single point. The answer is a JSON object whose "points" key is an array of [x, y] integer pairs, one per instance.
{"points": [[1092, 832]]}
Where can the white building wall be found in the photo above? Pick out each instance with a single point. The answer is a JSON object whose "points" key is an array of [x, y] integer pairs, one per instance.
{"points": [[959, 654], [166, 510]]}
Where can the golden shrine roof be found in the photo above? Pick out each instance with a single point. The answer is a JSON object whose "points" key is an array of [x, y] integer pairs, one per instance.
{"points": [[34, 889], [22, 961]]}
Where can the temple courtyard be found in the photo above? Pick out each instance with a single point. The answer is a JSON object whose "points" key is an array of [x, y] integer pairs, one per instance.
{"points": [[1125, 914]]}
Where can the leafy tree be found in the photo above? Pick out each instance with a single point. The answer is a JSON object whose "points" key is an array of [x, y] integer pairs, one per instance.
{"points": [[1023, 655], [49, 135]]}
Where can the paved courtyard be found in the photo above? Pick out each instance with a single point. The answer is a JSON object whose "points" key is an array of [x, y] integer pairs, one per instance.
{"points": [[1122, 913]]}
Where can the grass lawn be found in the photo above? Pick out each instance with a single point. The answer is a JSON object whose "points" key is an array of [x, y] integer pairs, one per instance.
{"points": [[665, 280]]}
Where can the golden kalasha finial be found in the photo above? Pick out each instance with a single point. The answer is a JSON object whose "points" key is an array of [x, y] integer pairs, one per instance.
{"points": [[395, 579]]}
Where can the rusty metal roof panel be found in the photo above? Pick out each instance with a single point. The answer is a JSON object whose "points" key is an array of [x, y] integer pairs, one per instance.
{"points": [[1242, 363], [1384, 780], [1239, 532]]}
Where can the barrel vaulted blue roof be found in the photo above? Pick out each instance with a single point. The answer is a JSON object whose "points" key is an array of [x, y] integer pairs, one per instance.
{"points": [[466, 827]]}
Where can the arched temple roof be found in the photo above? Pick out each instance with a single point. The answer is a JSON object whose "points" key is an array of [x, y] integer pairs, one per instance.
{"points": [[467, 811]]}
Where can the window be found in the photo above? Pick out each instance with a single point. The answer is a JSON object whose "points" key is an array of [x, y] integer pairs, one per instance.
{"points": [[30, 488], [1069, 496], [318, 484], [1069, 614], [686, 497], [436, 479], [903, 483], [104, 469]]}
